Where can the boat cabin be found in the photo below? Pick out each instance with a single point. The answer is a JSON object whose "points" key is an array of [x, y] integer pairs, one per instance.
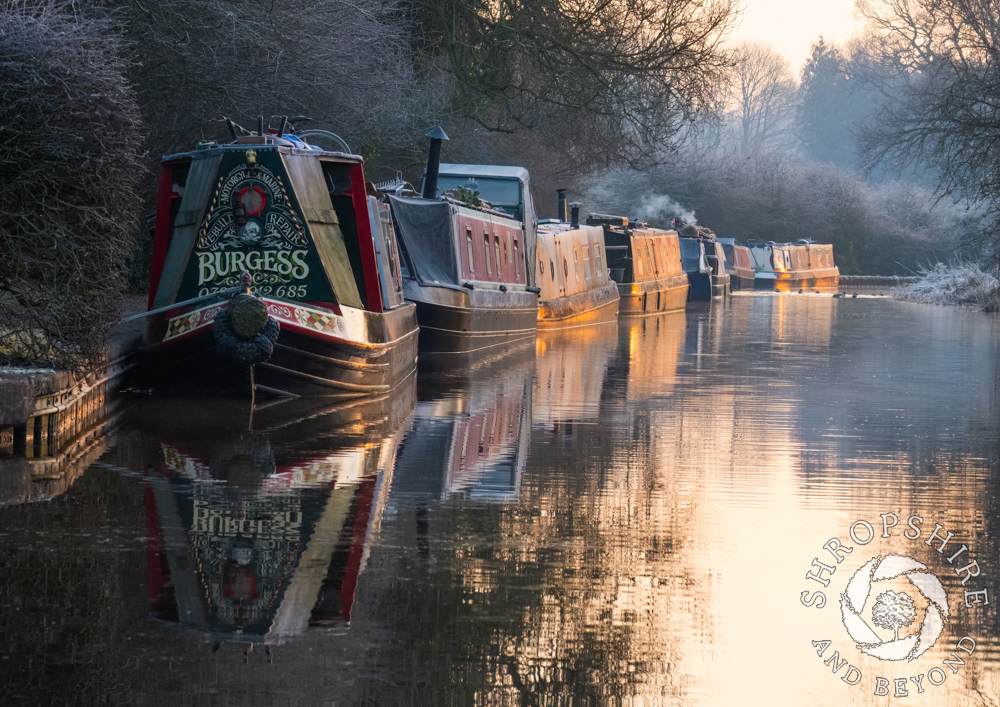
{"points": [[296, 227], [646, 264]]}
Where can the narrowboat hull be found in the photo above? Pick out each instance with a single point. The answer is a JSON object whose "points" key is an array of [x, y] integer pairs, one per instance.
{"points": [[653, 296], [464, 328], [827, 278], [580, 309], [318, 353], [706, 286], [742, 279], [763, 281]]}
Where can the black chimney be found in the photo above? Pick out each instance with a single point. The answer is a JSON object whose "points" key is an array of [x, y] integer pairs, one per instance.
{"points": [[561, 210], [433, 162], [575, 214]]}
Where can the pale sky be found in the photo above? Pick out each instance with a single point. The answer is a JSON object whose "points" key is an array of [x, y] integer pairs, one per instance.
{"points": [[791, 26]]}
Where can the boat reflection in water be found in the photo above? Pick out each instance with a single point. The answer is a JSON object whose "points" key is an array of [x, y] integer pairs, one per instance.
{"points": [[256, 529], [470, 439], [570, 371], [648, 353]]}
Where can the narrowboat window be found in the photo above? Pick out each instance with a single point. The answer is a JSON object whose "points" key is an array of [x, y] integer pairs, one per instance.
{"points": [[565, 268], [541, 267], [517, 263], [496, 251], [486, 247], [501, 193], [552, 270], [597, 259], [586, 264], [468, 242], [576, 265], [510, 251]]}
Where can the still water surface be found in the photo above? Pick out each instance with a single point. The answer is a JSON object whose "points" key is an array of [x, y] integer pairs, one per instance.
{"points": [[627, 516]]}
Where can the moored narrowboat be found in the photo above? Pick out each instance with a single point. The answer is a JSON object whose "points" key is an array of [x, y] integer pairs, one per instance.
{"points": [[572, 273], [646, 265], [466, 244], [704, 263], [787, 267], [738, 264], [274, 269]]}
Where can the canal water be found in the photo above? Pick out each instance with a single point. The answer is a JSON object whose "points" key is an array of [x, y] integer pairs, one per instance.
{"points": [[742, 504]]}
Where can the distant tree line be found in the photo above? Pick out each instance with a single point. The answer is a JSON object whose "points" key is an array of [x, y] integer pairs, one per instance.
{"points": [[857, 153]]}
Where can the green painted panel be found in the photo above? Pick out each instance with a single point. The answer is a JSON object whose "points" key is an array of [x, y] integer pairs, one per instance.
{"points": [[274, 244]]}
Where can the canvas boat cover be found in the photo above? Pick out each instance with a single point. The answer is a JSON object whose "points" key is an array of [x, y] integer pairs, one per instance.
{"points": [[425, 232]]}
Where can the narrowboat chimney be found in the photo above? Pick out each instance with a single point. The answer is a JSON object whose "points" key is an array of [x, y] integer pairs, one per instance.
{"points": [[437, 136], [561, 210], [575, 214]]}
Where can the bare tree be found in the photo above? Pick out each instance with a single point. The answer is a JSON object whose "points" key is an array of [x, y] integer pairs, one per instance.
{"points": [[764, 94], [346, 64], [69, 162], [612, 80], [946, 56]]}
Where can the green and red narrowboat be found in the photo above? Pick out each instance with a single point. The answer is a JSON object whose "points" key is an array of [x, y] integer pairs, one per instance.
{"points": [[283, 241]]}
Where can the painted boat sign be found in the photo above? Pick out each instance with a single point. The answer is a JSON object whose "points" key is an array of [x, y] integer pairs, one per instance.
{"points": [[272, 241]]}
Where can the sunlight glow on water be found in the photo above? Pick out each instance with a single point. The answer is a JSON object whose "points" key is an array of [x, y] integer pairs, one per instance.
{"points": [[624, 516]]}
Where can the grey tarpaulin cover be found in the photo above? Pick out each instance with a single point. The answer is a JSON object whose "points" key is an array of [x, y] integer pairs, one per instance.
{"points": [[693, 255], [425, 230]]}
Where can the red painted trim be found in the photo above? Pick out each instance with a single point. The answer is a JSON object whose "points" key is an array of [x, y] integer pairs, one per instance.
{"points": [[154, 548], [161, 236], [366, 494], [366, 240]]}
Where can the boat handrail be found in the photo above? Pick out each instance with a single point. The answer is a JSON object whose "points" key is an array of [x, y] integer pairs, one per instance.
{"points": [[193, 300]]}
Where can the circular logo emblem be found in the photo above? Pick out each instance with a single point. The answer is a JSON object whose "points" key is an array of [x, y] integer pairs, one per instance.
{"points": [[253, 198], [893, 610]]}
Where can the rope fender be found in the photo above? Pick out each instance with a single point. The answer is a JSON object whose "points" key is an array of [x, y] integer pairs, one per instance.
{"points": [[246, 332]]}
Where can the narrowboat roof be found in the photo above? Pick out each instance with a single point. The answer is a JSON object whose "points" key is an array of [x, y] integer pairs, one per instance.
{"points": [[485, 170]]}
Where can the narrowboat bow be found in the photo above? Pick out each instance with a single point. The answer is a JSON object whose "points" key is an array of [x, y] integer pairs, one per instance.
{"points": [[320, 311]]}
